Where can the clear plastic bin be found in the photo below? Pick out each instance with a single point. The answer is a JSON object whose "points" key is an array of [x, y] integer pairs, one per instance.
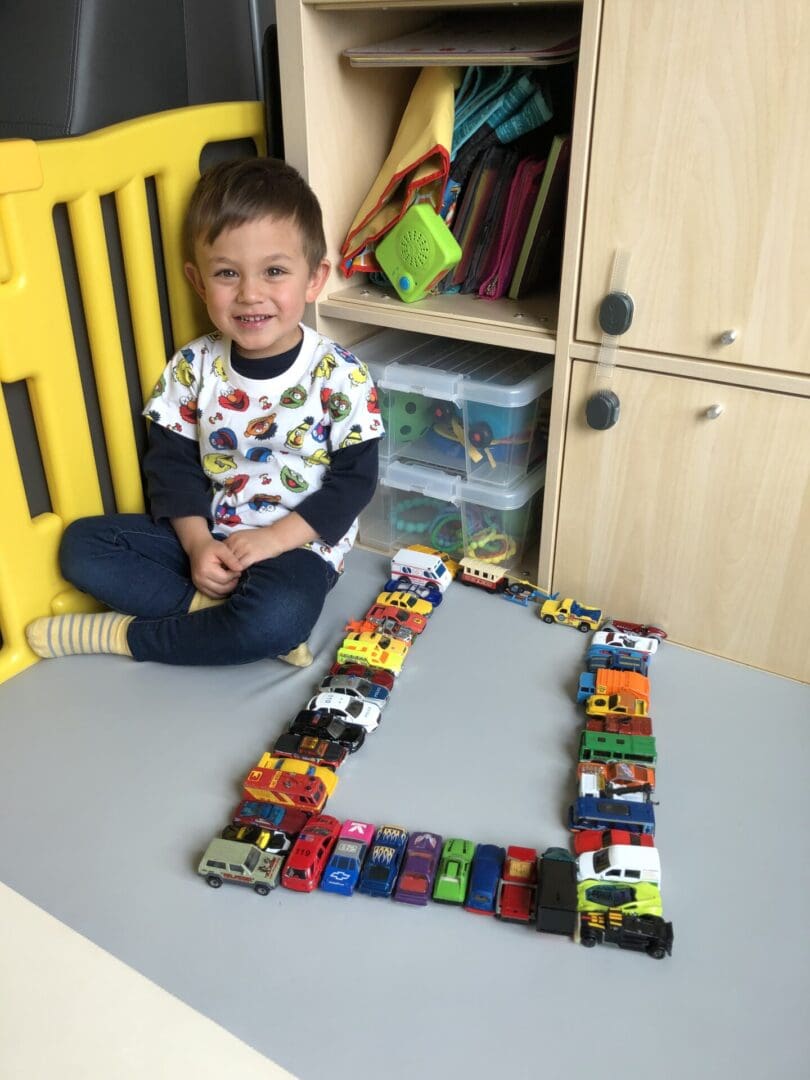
{"points": [[477, 410], [415, 504]]}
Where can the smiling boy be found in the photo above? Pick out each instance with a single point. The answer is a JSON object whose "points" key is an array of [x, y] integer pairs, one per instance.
{"points": [[262, 452]]}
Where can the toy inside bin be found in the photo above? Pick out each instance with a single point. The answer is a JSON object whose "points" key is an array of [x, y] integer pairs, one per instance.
{"points": [[416, 504], [479, 410]]}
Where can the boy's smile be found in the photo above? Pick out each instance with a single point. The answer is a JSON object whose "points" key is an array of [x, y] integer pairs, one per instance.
{"points": [[255, 282]]}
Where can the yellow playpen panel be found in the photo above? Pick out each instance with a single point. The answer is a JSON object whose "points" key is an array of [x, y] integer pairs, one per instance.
{"points": [[37, 344]]}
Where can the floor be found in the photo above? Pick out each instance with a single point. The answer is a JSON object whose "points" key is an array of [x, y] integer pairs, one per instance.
{"points": [[114, 776]]}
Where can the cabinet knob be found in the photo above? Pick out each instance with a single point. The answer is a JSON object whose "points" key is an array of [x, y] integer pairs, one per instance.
{"points": [[728, 337], [714, 411]]}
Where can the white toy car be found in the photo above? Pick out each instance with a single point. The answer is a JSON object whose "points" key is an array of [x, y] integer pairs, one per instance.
{"points": [[622, 863], [350, 710], [625, 641]]}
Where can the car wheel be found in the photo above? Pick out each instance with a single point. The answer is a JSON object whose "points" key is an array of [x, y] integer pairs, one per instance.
{"points": [[214, 881], [583, 628], [588, 941], [261, 888], [657, 952], [548, 618]]}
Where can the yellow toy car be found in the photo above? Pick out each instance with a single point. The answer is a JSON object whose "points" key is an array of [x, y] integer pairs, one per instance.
{"points": [[407, 601], [375, 650], [640, 898], [295, 765], [571, 613]]}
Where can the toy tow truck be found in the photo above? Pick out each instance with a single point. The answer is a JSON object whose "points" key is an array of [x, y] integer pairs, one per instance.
{"points": [[640, 933], [570, 612]]}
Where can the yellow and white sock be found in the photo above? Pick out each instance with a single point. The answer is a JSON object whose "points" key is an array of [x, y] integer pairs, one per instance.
{"points": [[200, 601], [300, 656], [73, 635]]}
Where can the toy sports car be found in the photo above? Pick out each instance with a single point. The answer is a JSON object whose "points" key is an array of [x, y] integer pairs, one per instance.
{"points": [[382, 865]]}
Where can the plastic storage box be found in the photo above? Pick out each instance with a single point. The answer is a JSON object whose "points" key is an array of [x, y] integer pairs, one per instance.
{"points": [[478, 410], [416, 504]]}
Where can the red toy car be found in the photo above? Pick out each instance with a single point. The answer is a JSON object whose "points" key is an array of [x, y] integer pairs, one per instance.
{"points": [[309, 853], [375, 675], [620, 724], [270, 816], [641, 629], [594, 839], [516, 900], [286, 789], [410, 620]]}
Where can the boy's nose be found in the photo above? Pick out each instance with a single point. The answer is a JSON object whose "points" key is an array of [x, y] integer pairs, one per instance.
{"points": [[249, 290]]}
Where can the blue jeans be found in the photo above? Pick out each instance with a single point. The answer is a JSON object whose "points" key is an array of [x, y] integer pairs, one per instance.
{"points": [[138, 567]]}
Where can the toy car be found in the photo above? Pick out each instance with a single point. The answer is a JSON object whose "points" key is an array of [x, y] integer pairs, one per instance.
{"points": [[242, 864], [350, 710], [516, 900], [407, 620], [346, 861], [594, 784], [616, 658], [641, 933], [557, 892], [380, 869], [374, 675], [287, 789], [327, 725], [485, 874], [641, 899], [622, 863], [306, 748], [309, 853], [421, 589], [406, 602], [620, 724], [454, 871], [593, 839], [272, 840], [618, 774], [419, 864], [420, 565], [592, 812], [603, 746], [303, 768], [448, 560], [270, 816], [378, 650], [616, 640], [622, 703], [570, 612], [355, 686], [623, 627]]}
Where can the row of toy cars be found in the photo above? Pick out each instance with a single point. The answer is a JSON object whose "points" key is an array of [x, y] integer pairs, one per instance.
{"points": [[612, 817], [279, 833]]}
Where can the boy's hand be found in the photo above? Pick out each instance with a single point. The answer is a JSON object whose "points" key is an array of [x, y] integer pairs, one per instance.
{"points": [[215, 569], [250, 546]]}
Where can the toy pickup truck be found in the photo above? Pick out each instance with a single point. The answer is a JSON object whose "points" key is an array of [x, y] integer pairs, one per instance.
{"points": [[619, 724], [612, 681], [570, 612], [641, 933], [624, 702]]}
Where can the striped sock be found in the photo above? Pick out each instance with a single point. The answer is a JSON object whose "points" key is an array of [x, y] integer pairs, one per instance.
{"points": [[72, 635], [200, 601], [300, 656]]}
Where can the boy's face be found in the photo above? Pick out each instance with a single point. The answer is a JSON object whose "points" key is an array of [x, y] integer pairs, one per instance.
{"points": [[255, 282]]}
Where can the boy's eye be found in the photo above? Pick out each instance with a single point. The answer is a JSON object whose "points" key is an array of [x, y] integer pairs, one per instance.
{"points": [[274, 271], [225, 273]]}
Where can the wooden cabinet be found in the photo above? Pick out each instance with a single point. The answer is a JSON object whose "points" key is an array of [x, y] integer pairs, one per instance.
{"points": [[700, 172], [697, 524]]}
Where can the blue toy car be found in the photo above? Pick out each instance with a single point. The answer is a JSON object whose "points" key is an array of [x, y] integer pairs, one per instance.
{"points": [[484, 876], [424, 590], [591, 812], [379, 873], [606, 656]]}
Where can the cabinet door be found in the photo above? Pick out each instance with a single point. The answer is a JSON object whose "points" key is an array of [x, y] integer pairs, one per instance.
{"points": [[695, 524], [700, 172]]}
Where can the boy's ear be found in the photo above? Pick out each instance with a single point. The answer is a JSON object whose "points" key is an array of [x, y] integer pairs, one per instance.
{"points": [[194, 276], [317, 280]]}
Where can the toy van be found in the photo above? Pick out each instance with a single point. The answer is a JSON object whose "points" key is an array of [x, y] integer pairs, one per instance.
{"points": [[621, 862], [591, 812], [242, 864], [420, 566], [602, 746]]}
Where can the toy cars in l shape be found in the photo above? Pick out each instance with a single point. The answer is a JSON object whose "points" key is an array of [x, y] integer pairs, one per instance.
{"points": [[641, 933], [307, 748], [346, 861], [380, 869], [270, 816], [454, 871], [420, 589], [406, 601], [355, 686], [328, 725], [408, 620], [617, 640], [517, 890], [272, 840], [374, 675], [640, 899], [376, 650], [351, 710], [415, 879], [309, 853], [241, 864], [570, 612], [484, 877]]}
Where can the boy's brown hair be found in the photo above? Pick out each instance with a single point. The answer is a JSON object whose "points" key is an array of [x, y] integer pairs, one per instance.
{"points": [[232, 193]]}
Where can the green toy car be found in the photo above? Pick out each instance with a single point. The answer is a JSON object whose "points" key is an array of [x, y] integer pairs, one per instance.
{"points": [[454, 871], [641, 898]]}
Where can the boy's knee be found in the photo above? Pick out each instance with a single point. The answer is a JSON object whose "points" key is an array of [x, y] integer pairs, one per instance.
{"points": [[78, 541]]}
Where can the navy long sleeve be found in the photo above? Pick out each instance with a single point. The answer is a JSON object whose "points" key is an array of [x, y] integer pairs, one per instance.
{"points": [[178, 487]]}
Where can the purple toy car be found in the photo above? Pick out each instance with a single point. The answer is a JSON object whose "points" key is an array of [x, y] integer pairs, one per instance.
{"points": [[415, 882]]}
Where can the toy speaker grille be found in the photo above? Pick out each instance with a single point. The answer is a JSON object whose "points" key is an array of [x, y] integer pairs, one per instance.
{"points": [[415, 249]]}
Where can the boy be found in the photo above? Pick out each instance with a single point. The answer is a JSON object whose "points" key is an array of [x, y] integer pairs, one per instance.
{"points": [[262, 452]]}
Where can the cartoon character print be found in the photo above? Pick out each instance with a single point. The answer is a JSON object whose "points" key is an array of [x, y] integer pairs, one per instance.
{"points": [[326, 393], [237, 400], [218, 463], [223, 439], [295, 437], [326, 365], [234, 484], [183, 370], [372, 400], [320, 457], [218, 368], [339, 405], [263, 427], [354, 437], [189, 411], [292, 480], [293, 397], [226, 515], [359, 374], [160, 386], [262, 502], [320, 433], [259, 453]]}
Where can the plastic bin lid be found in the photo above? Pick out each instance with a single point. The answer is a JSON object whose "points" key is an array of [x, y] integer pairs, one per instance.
{"points": [[455, 370], [449, 487]]}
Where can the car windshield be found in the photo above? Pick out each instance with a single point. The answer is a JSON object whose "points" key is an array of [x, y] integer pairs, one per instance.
{"points": [[378, 873], [601, 862], [353, 707], [252, 858]]}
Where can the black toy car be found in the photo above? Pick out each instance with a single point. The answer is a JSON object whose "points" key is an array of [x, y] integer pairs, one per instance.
{"points": [[326, 724], [641, 933]]}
